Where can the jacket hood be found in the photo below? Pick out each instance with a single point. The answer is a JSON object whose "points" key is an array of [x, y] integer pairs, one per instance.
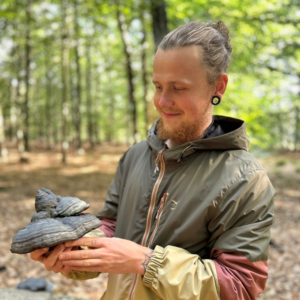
{"points": [[234, 138]]}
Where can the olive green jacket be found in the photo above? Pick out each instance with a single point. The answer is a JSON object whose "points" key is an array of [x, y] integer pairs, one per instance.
{"points": [[205, 207]]}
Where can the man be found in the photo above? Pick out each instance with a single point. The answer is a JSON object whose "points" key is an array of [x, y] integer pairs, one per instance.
{"points": [[190, 209]]}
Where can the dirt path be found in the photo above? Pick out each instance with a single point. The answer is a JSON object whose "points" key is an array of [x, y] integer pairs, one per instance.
{"points": [[88, 177]]}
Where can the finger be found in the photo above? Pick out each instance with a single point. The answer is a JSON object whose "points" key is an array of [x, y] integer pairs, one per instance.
{"points": [[66, 270], [89, 242], [53, 257], [88, 269], [58, 267], [80, 255], [82, 263], [37, 255]]}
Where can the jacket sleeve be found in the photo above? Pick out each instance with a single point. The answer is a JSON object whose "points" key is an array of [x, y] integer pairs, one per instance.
{"points": [[237, 269]]}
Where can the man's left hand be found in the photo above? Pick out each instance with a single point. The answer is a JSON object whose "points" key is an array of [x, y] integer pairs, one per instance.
{"points": [[107, 255]]}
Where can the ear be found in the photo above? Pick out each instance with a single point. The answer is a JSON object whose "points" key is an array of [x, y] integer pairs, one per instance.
{"points": [[221, 85]]}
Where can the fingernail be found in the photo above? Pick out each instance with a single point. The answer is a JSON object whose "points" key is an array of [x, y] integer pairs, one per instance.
{"points": [[61, 257]]}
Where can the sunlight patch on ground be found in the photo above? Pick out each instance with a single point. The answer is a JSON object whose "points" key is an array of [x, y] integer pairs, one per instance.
{"points": [[291, 193], [75, 171], [76, 164], [28, 203]]}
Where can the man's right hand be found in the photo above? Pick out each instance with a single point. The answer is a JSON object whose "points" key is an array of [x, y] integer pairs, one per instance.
{"points": [[50, 260]]}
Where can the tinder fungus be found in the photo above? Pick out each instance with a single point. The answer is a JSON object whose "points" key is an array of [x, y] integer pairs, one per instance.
{"points": [[57, 219]]}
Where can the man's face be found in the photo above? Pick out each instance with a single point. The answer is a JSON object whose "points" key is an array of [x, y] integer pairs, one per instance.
{"points": [[182, 95]]}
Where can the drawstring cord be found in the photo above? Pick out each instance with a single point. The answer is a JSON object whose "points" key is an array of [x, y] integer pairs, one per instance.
{"points": [[181, 154]]}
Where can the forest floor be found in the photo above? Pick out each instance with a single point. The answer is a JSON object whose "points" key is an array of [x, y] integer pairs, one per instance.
{"points": [[88, 176]]}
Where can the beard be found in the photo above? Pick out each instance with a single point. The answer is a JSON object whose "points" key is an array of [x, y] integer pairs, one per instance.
{"points": [[184, 132]]}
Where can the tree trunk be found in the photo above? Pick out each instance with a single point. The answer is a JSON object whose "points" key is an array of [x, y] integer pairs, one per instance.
{"points": [[2, 134], [27, 78], [97, 107], [89, 92], [297, 127], [56, 116], [144, 68], [78, 83], [159, 21], [111, 120], [48, 108], [132, 101], [64, 67]]}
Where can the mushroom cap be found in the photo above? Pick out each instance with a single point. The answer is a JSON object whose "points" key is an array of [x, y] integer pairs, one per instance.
{"points": [[57, 219], [45, 200], [68, 206], [52, 231]]}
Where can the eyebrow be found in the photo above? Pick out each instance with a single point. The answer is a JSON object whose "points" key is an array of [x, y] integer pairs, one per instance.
{"points": [[172, 82]]}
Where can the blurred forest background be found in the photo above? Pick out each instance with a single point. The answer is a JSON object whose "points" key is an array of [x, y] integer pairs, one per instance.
{"points": [[76, 92], [74, 71]]}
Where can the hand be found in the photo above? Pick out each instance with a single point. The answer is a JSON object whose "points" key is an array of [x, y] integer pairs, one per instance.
{"points": [[50, 259], [107, 255]]}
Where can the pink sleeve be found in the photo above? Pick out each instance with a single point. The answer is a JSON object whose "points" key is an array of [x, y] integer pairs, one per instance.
{"points": [[108, 226], [239, 278]]}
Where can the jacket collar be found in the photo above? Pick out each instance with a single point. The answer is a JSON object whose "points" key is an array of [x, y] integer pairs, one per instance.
{"points": [[234, 138]]}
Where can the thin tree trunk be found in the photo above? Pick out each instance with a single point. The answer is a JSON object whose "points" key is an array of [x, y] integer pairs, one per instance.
{"points": [[111, 120], [132, 101], [78, 83], [297, 126], [159, 21], [144, 68], [2, 133], [64, 66], [97, 108], [18, 107], [48, 95], [55, 117], [15, 83], [89, 93], [27, 78]]}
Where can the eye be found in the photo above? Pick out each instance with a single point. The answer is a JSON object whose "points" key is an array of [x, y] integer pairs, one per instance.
{"points": [[178, 89], [158, 87]]}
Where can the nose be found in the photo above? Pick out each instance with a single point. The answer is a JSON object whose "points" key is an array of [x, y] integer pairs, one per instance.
{"points": [[165, 100]]}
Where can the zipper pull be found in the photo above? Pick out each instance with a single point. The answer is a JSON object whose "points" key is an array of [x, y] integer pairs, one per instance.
{"points": [[156, 163]]}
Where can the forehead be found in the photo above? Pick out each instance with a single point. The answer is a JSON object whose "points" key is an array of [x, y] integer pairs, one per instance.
{"points": [[182, 62]]}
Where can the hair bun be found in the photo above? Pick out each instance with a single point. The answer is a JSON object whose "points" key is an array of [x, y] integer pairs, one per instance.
{"points": [[223, 30]]}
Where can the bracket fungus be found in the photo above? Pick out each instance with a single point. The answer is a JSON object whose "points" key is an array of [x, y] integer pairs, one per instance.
{"points": [[57, 219]]}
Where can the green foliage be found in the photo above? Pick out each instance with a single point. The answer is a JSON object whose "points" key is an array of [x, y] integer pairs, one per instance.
{"points": [[281, 162], [264, 74]]}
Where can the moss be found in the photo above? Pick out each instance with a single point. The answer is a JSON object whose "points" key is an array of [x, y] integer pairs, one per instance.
{"points": [[281, 162]]}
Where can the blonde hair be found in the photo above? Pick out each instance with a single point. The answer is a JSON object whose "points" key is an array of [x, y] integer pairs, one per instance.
{"points": [[212, 37]]}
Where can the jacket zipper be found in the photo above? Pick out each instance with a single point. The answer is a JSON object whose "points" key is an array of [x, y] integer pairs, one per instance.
{"points": [[153, 196], [158, 215], [152, 203]]}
